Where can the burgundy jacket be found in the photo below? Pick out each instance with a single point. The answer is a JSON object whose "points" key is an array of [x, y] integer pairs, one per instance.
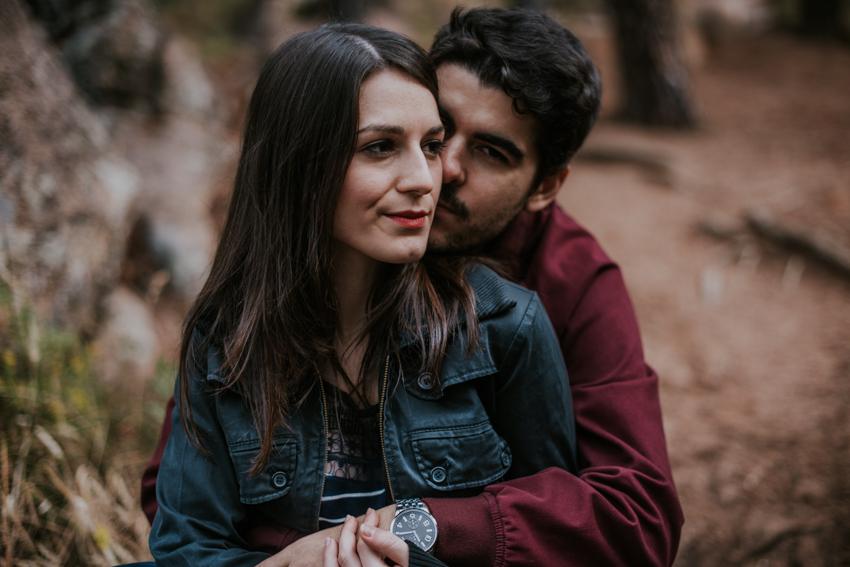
{"points": [[622, 509]]}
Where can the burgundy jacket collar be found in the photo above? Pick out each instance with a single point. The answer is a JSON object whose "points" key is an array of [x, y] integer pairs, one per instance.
{"points": [[515, 247]]}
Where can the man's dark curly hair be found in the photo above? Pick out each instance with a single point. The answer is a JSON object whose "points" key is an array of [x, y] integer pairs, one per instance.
{"points": [[538, 63]]}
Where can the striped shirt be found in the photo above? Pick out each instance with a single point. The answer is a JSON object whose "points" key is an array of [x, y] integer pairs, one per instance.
{"points": [[354, 475]]}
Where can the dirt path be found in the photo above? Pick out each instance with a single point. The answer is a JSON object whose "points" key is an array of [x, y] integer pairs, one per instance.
{"points": [[750, 342]]}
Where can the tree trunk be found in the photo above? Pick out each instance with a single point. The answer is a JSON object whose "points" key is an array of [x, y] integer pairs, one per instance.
{"points": [[821, 17], [538, 5], [347, 10], [654, 82]]}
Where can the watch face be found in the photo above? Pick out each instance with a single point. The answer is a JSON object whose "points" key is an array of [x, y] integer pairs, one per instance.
{"points": [[416, 527]]}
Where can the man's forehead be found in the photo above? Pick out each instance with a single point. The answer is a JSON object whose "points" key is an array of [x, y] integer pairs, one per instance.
{"points": [[466, 103]]}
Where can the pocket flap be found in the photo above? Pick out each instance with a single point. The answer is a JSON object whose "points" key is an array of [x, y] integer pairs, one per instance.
{"points": [[461, 457], [277, 477]]}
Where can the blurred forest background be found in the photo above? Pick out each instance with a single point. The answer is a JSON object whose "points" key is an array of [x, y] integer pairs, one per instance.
{"points": [[718, 177]]}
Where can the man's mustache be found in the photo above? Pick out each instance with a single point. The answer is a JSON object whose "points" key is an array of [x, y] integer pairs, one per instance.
{"points": [[449, 199]]}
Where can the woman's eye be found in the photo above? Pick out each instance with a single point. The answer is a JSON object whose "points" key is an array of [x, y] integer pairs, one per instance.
{"points": [[434, 147], [380, 148]]}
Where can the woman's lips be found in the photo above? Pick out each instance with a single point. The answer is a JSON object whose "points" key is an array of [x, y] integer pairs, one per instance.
{"points": [[409, 219]]}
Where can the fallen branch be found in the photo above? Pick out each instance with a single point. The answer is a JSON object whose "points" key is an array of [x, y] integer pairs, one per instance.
{"points": [[815, 245], [654, 168]]}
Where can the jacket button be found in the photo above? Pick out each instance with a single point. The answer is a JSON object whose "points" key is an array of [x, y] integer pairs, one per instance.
{"points": [[438, 475], [506, 459], [279, 479], [425, 381]]}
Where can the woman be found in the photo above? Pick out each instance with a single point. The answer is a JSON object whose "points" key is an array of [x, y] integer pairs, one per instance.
{"points": [[326, 366]]}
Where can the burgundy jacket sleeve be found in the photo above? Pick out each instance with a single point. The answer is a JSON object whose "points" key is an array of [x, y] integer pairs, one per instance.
{"points": [[267, 537], [622, 509], [149, 503]]}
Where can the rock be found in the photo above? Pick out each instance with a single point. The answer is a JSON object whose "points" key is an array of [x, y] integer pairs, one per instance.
{"points": [[187, 89], [127, 343], [62, 18], [184, 166], [64, 197], [116, 59]]}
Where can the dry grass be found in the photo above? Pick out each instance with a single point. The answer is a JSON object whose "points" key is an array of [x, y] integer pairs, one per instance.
{"points": [[69, 497]]}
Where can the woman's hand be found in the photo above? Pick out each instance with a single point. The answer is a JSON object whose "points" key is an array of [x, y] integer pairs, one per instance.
{"points": [[369, 549]]}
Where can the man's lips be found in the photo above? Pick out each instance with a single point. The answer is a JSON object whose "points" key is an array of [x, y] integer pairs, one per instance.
{"points": [[445, 208], [409, 219]]}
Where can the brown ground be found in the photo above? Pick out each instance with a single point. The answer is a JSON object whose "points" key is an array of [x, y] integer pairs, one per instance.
{"points": [[750, 342]]}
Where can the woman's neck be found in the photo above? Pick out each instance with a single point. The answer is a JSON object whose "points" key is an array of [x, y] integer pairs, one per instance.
{"points": [[353, 276]]}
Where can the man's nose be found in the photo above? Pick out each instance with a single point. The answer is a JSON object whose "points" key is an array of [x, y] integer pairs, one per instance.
{"points": [[453, 172]]}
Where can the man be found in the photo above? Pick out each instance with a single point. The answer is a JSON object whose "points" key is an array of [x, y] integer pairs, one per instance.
{"points": [[518, 96]]}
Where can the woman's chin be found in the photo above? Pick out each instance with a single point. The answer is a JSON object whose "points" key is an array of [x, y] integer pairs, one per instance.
{"points": [[404, 256]]}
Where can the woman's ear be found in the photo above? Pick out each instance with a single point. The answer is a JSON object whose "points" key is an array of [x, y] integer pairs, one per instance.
{"points": [[547, 191]]}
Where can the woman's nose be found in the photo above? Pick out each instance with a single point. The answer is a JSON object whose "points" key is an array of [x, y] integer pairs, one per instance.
{"points": [[419, 174]]}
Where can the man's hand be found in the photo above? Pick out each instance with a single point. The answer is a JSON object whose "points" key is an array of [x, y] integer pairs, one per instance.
{"points": [[352, 551], [385, 517], [377, 542], [309, 550], [306, 552]]}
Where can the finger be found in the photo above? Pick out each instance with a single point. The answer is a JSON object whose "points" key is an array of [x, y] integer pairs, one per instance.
{"points": [[384, 543], [368, 557], [347, 544], [372, 518], [330, 555]]}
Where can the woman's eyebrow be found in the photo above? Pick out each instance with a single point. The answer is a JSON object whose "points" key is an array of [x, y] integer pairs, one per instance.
{"points": [[397, 130], [386, 129]]}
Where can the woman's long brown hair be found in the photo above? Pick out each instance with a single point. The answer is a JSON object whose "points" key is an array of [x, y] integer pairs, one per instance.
{"points": [[269, 296]]}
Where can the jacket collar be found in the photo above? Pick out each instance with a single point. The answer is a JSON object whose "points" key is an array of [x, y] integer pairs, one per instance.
{"points": [[491, 295], [491, 298], [515, 246]]}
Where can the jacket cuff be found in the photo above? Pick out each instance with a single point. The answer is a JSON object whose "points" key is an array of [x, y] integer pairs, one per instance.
{"points": [[470, 530], [271, 538], [419, 558]]}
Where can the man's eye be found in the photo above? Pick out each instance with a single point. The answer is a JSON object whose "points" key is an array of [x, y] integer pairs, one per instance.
{"points": [[380, 148], [494, 154], [434, 147]]}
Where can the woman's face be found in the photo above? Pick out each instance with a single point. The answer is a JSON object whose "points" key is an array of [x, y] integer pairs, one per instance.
{"points": [[392, 185]]}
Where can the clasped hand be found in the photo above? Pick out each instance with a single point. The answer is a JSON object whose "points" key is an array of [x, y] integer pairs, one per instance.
{"points": [[351, 545], [366, 546]]}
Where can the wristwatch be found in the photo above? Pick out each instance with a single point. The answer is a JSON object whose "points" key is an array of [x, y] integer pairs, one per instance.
{"points": [[414, 523]]}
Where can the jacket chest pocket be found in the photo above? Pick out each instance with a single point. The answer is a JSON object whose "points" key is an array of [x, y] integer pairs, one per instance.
{"points": [[276, 478], [460, 457]]}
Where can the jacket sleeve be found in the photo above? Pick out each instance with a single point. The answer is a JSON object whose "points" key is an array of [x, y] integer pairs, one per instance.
{"points": [[199, 507], [149, 503], [268, 536], [622, 509], [533, 409], [419, 558]]}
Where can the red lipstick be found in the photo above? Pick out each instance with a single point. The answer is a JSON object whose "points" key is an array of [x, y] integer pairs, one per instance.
{"points": [[409, 219]]}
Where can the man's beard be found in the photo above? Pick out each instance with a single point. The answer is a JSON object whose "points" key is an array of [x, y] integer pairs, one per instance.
{"points": [[473, 237]]}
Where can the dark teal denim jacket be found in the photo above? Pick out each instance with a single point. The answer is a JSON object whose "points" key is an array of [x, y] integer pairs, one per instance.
{"points": [[503, 413]]}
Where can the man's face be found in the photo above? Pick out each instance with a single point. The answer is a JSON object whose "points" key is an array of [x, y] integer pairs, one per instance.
{"points": [[488, 164]]}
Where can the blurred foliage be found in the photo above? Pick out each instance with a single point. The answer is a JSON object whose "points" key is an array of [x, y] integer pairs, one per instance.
{"points": [[789, 13], [69, 449], [218, 27]]}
